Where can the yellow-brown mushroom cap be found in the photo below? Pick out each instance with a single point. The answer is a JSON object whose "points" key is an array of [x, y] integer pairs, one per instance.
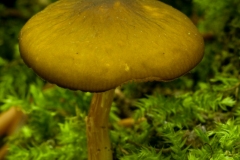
{"points": [[96, 45]]}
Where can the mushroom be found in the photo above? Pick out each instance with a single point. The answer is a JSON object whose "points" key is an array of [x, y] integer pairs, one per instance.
{"points": [[97, 45]]}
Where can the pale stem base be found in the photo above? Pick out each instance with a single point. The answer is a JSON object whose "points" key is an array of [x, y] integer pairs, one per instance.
{"points": [[99, 146]]}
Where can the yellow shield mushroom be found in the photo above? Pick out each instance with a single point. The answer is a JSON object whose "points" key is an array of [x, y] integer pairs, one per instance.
{"points": [[97, 45]]}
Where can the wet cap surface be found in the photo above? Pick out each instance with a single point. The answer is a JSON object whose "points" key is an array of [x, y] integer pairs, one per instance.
{"points": [[98, 45]]}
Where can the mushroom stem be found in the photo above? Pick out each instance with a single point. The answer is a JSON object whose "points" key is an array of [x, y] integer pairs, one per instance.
{"points": [[99, 146]]}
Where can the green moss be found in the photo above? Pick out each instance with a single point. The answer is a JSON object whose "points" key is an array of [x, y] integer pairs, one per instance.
{"points": [[196, 117]]}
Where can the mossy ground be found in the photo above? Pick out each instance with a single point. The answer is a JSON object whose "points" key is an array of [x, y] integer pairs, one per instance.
{"points": [[196, 117]]}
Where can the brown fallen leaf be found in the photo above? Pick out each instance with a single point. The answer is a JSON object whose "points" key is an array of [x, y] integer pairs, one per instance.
{"points": [[129, 122], [10, 121]]}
